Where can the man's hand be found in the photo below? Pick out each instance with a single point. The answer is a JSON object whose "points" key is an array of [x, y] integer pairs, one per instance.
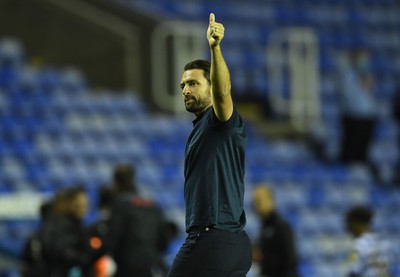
{"points": [[215, 32]]}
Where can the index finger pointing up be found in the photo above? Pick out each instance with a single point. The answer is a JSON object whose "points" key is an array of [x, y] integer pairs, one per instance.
{"points": [[212, 18]]}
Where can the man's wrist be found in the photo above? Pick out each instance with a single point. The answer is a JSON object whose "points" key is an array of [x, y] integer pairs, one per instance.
{"points": [[215, 47]]}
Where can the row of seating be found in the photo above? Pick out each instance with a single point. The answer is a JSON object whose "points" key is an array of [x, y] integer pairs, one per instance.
{"points": [[339, 25], [55, 140]]}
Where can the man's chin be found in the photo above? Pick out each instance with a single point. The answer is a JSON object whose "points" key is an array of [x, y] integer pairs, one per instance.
{"points": [[192, 109], [188, 106], [195, 107]]}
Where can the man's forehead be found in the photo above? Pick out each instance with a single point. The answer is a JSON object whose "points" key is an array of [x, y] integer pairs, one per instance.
{"points": [[192, 74]]}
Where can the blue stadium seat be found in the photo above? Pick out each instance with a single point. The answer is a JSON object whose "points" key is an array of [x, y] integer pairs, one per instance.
{"points": [[72, 81], [11, 52], [8, 77], [49, 80]]}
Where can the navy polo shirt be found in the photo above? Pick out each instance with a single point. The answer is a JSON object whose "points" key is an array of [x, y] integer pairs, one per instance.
{"points": [[214, 172]]}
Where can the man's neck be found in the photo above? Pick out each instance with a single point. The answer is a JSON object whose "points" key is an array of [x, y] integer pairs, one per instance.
{"points": [[202, 111]]}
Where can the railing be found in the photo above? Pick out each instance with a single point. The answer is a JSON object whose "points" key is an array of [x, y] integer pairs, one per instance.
{"points": [[126, 33], [292, 58], [174, 44]]}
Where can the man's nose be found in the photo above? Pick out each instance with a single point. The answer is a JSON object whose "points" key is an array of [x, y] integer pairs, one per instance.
{"points": [[185, 90]]}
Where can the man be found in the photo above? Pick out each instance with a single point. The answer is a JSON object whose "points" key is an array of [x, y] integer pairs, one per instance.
{"points": [[135, 233], [216, 244], [371, 254], [396, 113], [32, 256], [276, 251], [359, 106], [65, 244]]}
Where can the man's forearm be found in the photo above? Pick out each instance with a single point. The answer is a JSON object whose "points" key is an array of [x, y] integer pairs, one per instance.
{"points": [[220, 77]]}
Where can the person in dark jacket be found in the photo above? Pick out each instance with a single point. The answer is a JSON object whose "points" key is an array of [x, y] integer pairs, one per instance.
{"points": [[32, 257], [136, 237], [276, 250], [66, 248]]}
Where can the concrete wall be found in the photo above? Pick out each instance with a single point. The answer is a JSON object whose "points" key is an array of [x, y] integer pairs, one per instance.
{"points": [[110, 45]]}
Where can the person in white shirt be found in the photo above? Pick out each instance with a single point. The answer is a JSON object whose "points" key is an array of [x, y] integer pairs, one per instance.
{"points": [[371, 254]]}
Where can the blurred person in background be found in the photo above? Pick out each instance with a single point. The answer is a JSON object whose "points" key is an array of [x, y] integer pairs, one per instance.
{"points": [[275, 251], [396, 114], [105, 266], [217, 244], [66, 247], [359, 109], [135, 237], [371, 254], [173, 243], [32, 256]]}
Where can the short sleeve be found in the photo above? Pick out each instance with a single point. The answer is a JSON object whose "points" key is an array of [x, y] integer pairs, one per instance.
{"points": [[231, 123]]}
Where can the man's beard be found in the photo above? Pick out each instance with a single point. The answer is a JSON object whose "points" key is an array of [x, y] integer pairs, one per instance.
{"points": [[198, 105]]}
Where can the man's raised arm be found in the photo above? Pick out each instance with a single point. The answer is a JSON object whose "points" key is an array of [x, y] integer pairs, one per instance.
{"points": [[219, 73]]}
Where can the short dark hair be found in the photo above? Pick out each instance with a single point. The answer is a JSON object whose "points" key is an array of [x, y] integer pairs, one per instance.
{"points": [[124, 177], [105, 197], [45, 209], [200, 64], [361, 214]]}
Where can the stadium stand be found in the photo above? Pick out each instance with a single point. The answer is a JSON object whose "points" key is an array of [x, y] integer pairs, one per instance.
{"points": [[55, 131]]}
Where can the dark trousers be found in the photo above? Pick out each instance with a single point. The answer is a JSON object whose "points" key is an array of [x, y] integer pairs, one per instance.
{"points": [[357, 136], [213, 253], [136, 265]]}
